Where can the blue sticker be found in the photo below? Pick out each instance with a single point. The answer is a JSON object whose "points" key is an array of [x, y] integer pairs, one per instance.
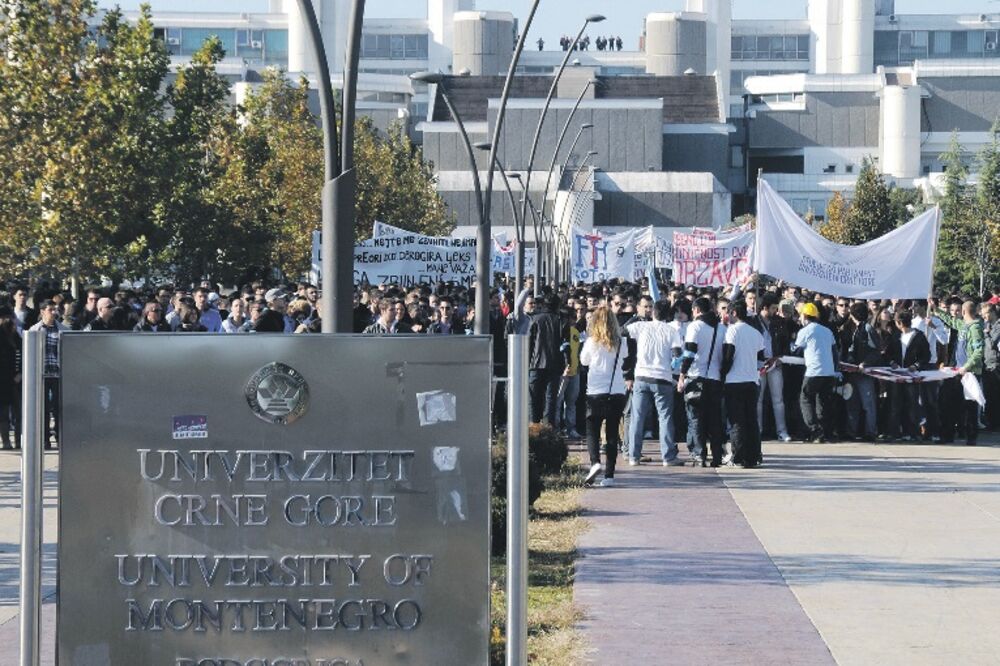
{"points": [[190, 427]]}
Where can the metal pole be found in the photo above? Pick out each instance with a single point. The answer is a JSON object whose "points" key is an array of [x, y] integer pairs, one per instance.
{"points": [[559, 143], [541, 118], [517, 502], [484, 269], [331, 170], [351, 59], [495, 142], [33, 411]]}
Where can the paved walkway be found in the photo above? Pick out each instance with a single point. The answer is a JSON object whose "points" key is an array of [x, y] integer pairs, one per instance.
{"points": [[854, 554]]}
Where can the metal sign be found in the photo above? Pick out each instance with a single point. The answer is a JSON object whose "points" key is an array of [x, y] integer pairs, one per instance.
{"points": [[274, 500]]}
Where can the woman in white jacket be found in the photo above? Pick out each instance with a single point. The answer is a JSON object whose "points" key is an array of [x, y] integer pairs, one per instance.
{"points": [[604, 354]]}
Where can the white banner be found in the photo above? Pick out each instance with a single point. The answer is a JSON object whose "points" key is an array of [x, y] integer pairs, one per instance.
{"points": [[897, 265], [709, 259], [411, 259], [505, 257], [596, 257]]}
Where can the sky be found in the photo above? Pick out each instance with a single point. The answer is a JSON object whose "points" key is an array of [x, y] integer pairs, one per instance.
{"points": [[553, 20]]}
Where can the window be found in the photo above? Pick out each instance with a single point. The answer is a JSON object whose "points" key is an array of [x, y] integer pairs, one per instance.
{"points": [[276, 47], [830, 168], [394, 47], [770, 47], [848, 168], [192, 39], [941, 42]]}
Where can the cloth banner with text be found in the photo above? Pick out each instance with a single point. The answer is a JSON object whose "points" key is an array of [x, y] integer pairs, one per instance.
{"points": [[595, 256], [899, 264], [705, 258]]}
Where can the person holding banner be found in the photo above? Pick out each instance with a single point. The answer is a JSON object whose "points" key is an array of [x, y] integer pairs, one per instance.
{"points": [[819, 348], [969, 359]]}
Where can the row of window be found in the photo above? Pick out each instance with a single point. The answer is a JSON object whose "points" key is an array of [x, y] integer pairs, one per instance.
{"points": [[902, 47], [394, 47], [263, 46], [770, 47]]}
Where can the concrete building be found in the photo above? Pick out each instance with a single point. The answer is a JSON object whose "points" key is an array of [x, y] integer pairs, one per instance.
{"points": [[681, 125]]}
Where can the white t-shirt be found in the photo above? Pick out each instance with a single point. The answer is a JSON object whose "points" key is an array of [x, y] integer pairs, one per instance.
{"points": [[655, 345], [936, 335], [748, 343], [701, 333], [599, 361]]}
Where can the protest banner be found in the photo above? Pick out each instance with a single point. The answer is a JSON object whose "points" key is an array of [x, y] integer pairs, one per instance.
{"points": [[709, 259], [900, 264], [413, 259], [595, 257], [504, 259]]}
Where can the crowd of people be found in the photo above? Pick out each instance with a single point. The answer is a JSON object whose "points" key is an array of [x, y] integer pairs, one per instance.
{"points": [[699, 367], [567, 43]]}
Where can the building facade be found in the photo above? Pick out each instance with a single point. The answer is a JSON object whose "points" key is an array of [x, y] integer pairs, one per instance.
{"points": [[680, 126]]}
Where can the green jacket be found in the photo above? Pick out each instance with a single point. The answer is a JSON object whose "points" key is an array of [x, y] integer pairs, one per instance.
{"points": [[974, 340]]}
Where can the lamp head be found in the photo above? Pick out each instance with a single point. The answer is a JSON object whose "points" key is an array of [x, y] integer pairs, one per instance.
{"points": [[587, 126], [428, 77], [591, 153], [595, 18], [482, 145]]}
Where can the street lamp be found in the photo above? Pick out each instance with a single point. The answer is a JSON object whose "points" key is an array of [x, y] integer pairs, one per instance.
{"points": [[484, 271], [562, 137], [590, 154], [594, 18], [340, 183], [518, 226]]}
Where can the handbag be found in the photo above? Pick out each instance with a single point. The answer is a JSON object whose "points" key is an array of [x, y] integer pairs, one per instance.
{"points": [[694, 389]]}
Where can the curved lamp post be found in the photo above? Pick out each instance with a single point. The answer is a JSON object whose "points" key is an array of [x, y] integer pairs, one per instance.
{"points": [[562, 137], [518, 225], [572, 187], [484, 271], [339, 187], [487, 203], [594, 18]]}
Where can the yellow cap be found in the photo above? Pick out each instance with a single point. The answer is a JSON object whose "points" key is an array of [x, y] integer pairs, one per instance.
{"points": [[810, 310]]}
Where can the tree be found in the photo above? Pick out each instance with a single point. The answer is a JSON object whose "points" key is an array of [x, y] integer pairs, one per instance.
{"points": [[835, 226], [983, 225], [395, 185], [192, 223], [955, 272], [870, 214]]}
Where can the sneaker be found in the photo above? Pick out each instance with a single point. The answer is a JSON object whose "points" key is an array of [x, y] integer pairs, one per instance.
{"points": [[936, 439], [676, 462], [648, 434], [595, 469], [727, 459], [607, 483], [784, 437], [573, 434], [906, 438], [632, 462]]}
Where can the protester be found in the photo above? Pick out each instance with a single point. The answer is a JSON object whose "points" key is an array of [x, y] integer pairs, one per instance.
{"points": [[657, 344], [10, 378], [49, 323], [818, 347], [700, 382], [604, 355], [742, 356]]}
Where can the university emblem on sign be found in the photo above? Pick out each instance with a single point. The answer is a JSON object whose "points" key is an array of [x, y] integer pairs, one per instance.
{"points": [[278, 393]]}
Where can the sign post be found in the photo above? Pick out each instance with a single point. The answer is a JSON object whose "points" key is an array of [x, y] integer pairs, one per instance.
{"points": [[32, 457], [517, 502]]}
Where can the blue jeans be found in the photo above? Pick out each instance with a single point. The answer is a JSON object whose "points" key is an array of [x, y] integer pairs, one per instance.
{"points": [[646, 395], [569, 394], [863, 400]]}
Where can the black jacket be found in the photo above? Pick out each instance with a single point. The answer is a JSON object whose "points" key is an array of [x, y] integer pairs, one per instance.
{"points": [[865, 346], [145, 327], [546, 336], [918, 352]]}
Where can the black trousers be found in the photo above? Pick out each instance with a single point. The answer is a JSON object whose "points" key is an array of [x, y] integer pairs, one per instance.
{"points": [[952, 412], [904, 410], [607, 410], [816, 401], [543, 389], [707, 423], [991, 389], [741, 407]]}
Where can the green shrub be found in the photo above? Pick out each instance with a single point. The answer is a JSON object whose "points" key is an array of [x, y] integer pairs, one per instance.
{"points": [[548, 447], [498, 505]]}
